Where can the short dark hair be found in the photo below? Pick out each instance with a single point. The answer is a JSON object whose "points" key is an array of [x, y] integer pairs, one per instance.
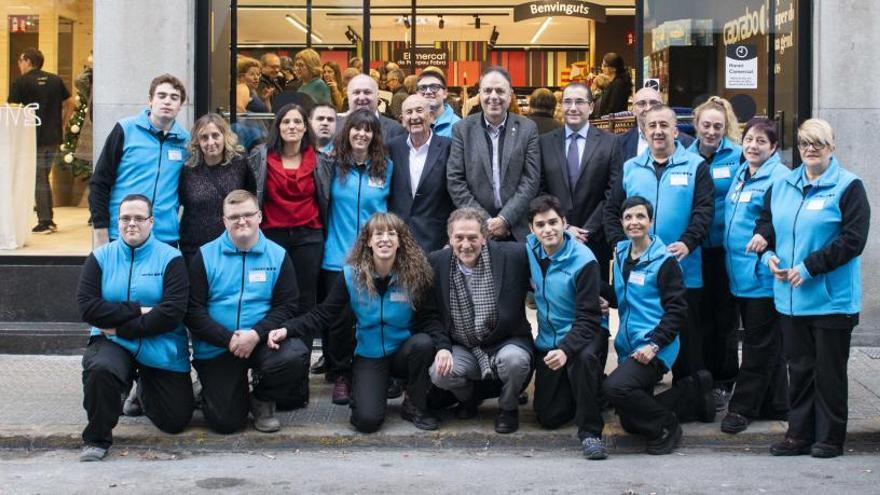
{"points": [[543, 204], [765, 125], [634, 201], [34, 56], [320, 105], [542, 99], [578, 84], [275, 142], [173, 81], [137, 197], [500, 70], [432, 73]]}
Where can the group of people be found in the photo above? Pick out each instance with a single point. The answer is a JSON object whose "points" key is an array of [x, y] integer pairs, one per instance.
{"points": [[410, 250]]}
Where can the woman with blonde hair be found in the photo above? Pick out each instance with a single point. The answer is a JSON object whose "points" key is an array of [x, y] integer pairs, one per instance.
{"points": [[385, 282], [216, 167], [307, 67], [718, 136]]}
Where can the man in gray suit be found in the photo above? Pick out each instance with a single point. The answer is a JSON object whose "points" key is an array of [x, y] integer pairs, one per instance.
{"points": [[494, 161], [363, 92]]}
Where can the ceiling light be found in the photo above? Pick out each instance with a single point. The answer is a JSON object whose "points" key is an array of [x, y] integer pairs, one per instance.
{"points": [[493, 38], [477, 21], [541, 30], [302, 27], [442, 22], [406, 22]]}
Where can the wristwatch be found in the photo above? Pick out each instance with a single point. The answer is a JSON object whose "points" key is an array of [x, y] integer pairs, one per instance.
{"points": [[655, 348]]}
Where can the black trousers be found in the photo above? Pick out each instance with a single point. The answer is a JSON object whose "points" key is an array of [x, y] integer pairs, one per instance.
{"points": [[572, 391], [306, 250], [690, 354], [42, 189], [108, 371], [718, 320], [762, 384], [818, 395], [630, 388], [369, 387], [338, 340], [225, 397]]}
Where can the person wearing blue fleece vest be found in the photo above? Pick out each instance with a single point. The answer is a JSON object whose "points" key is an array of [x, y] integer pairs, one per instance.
{"points": [[385, 283], [717, 141], [812, 231], [761, 390], [572, 345], [432, 85], [144, 154], [133, 293], [678, 184], [242, 286], [650, 296]]}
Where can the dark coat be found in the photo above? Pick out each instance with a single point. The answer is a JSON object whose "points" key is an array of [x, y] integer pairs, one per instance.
{"points": [[544, 121]]}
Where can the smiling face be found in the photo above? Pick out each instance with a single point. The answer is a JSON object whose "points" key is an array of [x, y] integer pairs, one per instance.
{"points": [[292, 127], [360, 139], [815, 153], [467, 240], [242, 221], [135, 222], [711, 127], [211, 143], [643, 100], [433, 89], [757, 147], [416, 115], [363, 92], [165, 102], [660, 131], [636, 224], [548, 227], [384, 243], [495, 94], [576, 106]]}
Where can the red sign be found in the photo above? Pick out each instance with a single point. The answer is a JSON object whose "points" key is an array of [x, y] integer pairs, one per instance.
{"points": [[24, 24]]}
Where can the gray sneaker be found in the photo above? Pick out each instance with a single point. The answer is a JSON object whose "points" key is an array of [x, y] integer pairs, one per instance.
{"points": [[264, 415], [92, 453], [594, 448], [132, 405]]}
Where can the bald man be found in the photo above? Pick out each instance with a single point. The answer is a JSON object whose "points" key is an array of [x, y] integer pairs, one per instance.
{"points": [[363, 92], [633, 142], [418, 182]]}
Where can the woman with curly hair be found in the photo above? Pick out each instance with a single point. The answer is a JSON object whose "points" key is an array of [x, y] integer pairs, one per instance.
{"points": [[332, 75], [216, 167], [385, 281]]}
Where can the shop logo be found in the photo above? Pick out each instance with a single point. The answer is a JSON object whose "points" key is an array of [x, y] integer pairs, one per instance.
{"points": [[26, 115]]}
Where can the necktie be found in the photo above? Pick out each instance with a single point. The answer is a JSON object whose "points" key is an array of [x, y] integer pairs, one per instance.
{"points": [[574, 162]]}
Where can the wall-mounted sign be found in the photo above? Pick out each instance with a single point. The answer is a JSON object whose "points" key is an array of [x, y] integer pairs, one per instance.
{"points": [[24, 24], [438, 57], [741, 67], [558, 8]]}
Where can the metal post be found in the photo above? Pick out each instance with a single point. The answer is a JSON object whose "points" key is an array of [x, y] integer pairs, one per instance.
{"points": [[366, 38], [233, 55]]}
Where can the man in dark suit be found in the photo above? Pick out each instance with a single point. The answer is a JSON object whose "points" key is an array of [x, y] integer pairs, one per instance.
{"points": [[633, 142], [478, 295], [418, 182], [579, 163], [363, 92], [494, 161]]}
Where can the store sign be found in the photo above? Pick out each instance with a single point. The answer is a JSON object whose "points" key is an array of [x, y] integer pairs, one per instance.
{"points": [[741, 67], [558, 8], [437, 57], [24, 24]]}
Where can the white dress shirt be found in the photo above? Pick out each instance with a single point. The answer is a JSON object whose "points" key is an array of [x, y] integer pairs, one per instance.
{"points": [[417, 158]]}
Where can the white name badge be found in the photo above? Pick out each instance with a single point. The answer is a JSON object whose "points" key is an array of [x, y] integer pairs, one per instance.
{"points": [[637, 278], [399, 297], [816, 204], [374, 182], [175, 155], [745, 197], [721, 173], [678, 180], [256, 276]]}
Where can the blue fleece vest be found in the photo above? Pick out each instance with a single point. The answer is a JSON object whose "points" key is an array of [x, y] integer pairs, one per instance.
{"points": [[745, 200], [443, 125], [723, 168], [672, 197], [639, 303], [240, 285], [137, 275], [383, 323], [804, 222], [353, 201], [555, 293], [150, 167]]}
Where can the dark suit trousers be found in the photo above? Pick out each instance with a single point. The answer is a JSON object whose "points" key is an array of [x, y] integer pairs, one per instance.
{"points": [[719, 321], [690, 354], [306, 249], [338, 341]]}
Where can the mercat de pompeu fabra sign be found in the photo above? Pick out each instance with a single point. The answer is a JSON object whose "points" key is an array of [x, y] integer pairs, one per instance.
{"points": [[558, 8]]}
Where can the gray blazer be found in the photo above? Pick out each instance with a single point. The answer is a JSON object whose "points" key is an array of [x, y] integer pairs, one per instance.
{"points": [[469, 169]]}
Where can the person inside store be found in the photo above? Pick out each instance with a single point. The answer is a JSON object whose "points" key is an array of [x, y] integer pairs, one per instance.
{"points": [[418, 183], [811, 233], [332, 76], [246, 97], [432, 85], [678, 182], [143, 154], [133, 293], [761, 389], [363, 93], [216, 166], [307, 67], [649, 294], [322, 121], [384, 283], [352, 185], [634, 142], [271, 75], [542, 104], [571, 344], [494, 163], [579, 163], [616, 96], [479, 289], [394, 83]]}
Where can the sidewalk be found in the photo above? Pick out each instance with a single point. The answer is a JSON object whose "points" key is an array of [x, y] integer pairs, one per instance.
{"points": [[41, 408]]}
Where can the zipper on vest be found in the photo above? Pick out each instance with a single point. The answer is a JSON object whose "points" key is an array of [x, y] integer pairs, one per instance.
{"points": [[382, 322], [727, 234], [793, 246], [130, 272], [241, 291], [357, 213], [162, 137]]}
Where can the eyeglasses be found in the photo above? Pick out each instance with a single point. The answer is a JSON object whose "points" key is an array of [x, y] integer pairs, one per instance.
{"points": [[125, 220], [424, 88], [568, 102], [646, 103], [240, 216], [804, 145]]}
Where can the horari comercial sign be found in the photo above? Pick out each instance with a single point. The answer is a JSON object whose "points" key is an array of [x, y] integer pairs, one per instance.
{"points": [[560, 8]]}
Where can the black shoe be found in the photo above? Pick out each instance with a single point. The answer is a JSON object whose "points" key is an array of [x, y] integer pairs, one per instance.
{"points": [[421, 419], [523, 398], [395, 388], [44, 228], [320, 367], [507, 421], [825, 451], [467, 409], [790, 446], [706, 404], [734, 423], [667, 441]]}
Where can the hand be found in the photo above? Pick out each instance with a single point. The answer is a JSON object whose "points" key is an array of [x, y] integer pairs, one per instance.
{"points": [[757, 244], [497, 227], [100, 237], [795, 278], [245, 340], [582, 235], [443, 362], [146, 309], [644, 354], [604, 306], [555, 359], [779, 273], [276, 337], [678, 249], [108, 331], [331, 84]]}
